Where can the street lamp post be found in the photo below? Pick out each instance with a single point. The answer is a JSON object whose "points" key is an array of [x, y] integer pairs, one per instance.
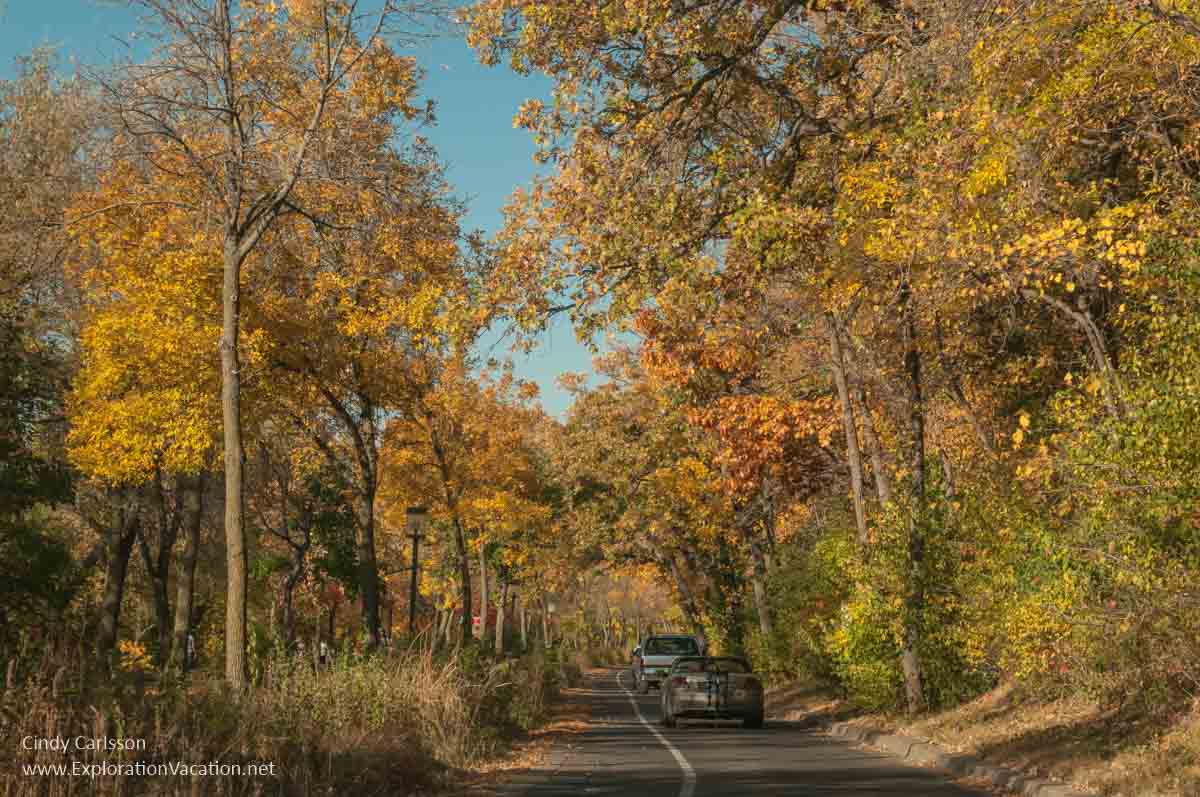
{"points": [[414, 517]]}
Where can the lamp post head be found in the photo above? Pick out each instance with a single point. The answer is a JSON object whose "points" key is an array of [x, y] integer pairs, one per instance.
{"points": [[414, 519]]}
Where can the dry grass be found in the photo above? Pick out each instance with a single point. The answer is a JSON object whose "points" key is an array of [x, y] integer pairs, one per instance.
{"points": [[1119, 753], [1110, 751], [408, 724], [804, 702], [568, 715]]}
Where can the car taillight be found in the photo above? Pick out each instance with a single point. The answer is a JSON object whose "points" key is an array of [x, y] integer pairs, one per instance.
{"points": [[679, 680]]}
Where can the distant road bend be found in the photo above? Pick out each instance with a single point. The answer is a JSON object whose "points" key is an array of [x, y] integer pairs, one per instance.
{"points": [[625, 751]]}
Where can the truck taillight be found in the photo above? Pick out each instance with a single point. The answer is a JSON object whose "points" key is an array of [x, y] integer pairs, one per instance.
{"points": [[679, 680]]}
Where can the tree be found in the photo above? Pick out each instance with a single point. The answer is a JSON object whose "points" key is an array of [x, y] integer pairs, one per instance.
{"points": [[143, 405], [695, 133], [464, 449], [46, 132], [386, 282], [239, 105]]}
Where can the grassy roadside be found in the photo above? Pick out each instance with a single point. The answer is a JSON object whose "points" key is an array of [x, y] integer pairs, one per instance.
{"points": [[1121, 752], [568, 712], [408, 723]]}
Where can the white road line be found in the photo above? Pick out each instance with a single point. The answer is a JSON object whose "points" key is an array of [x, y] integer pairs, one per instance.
{"points": [[689, 775]]}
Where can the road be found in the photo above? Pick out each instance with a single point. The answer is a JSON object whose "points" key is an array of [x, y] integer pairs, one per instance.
{"points": [[625, 751]]}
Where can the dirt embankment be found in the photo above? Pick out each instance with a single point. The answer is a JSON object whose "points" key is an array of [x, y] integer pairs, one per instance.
{"points": [[1122, 752]]}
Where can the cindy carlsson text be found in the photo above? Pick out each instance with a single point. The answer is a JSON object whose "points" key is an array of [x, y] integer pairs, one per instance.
{"points": [[67, 744]]}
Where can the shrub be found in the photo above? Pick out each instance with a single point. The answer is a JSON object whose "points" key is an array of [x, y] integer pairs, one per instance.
{"points": [[863, 650]]}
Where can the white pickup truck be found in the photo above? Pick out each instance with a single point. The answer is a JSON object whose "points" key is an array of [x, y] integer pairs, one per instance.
{"points": [[652, 659]]}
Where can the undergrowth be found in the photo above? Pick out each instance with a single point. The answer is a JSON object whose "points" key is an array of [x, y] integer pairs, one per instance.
{"points": [[405, 723]]}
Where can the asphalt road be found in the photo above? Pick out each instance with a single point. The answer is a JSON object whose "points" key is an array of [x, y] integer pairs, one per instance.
{"points": [[625, 751]]}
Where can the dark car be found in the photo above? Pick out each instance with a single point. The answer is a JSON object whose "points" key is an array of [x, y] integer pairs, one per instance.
{"points": [[717, 687]]}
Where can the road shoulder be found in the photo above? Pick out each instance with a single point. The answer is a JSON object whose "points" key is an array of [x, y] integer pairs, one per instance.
{"points": [[813, 706], [536, 757]]}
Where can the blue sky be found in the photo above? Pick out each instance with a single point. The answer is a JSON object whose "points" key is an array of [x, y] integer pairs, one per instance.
{"points": [[486, 157]]}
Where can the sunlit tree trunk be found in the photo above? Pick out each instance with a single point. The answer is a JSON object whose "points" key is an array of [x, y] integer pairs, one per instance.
{"points": [[524, 615], [914, 603], [853, 454], [483, 594], [758, 580], [368, 568], [501, 604], [231, 414], [883, 486], [448, 626], [460, 536], [687, 598]]}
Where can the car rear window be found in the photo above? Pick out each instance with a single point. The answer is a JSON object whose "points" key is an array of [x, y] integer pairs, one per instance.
{"points": [[667, 646]]}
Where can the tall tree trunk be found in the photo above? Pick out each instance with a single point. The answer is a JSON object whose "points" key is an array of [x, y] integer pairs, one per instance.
{"points": [[158, 563], [460, 537], [915, 599], [157, 570], [687, 598], [448, 628], [287, 620], [512, 602], [185, 582], [368, 567], [464, 577], [501, 605], [122, 535], [853, 454], [729, 589], [758, 579], [333, 606], [524, 620], [231, 411], [947, 475], [770, 515], [545, 624], [362, 429], [883, 486], [159, 586], [484, 593], [435, 629]]}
